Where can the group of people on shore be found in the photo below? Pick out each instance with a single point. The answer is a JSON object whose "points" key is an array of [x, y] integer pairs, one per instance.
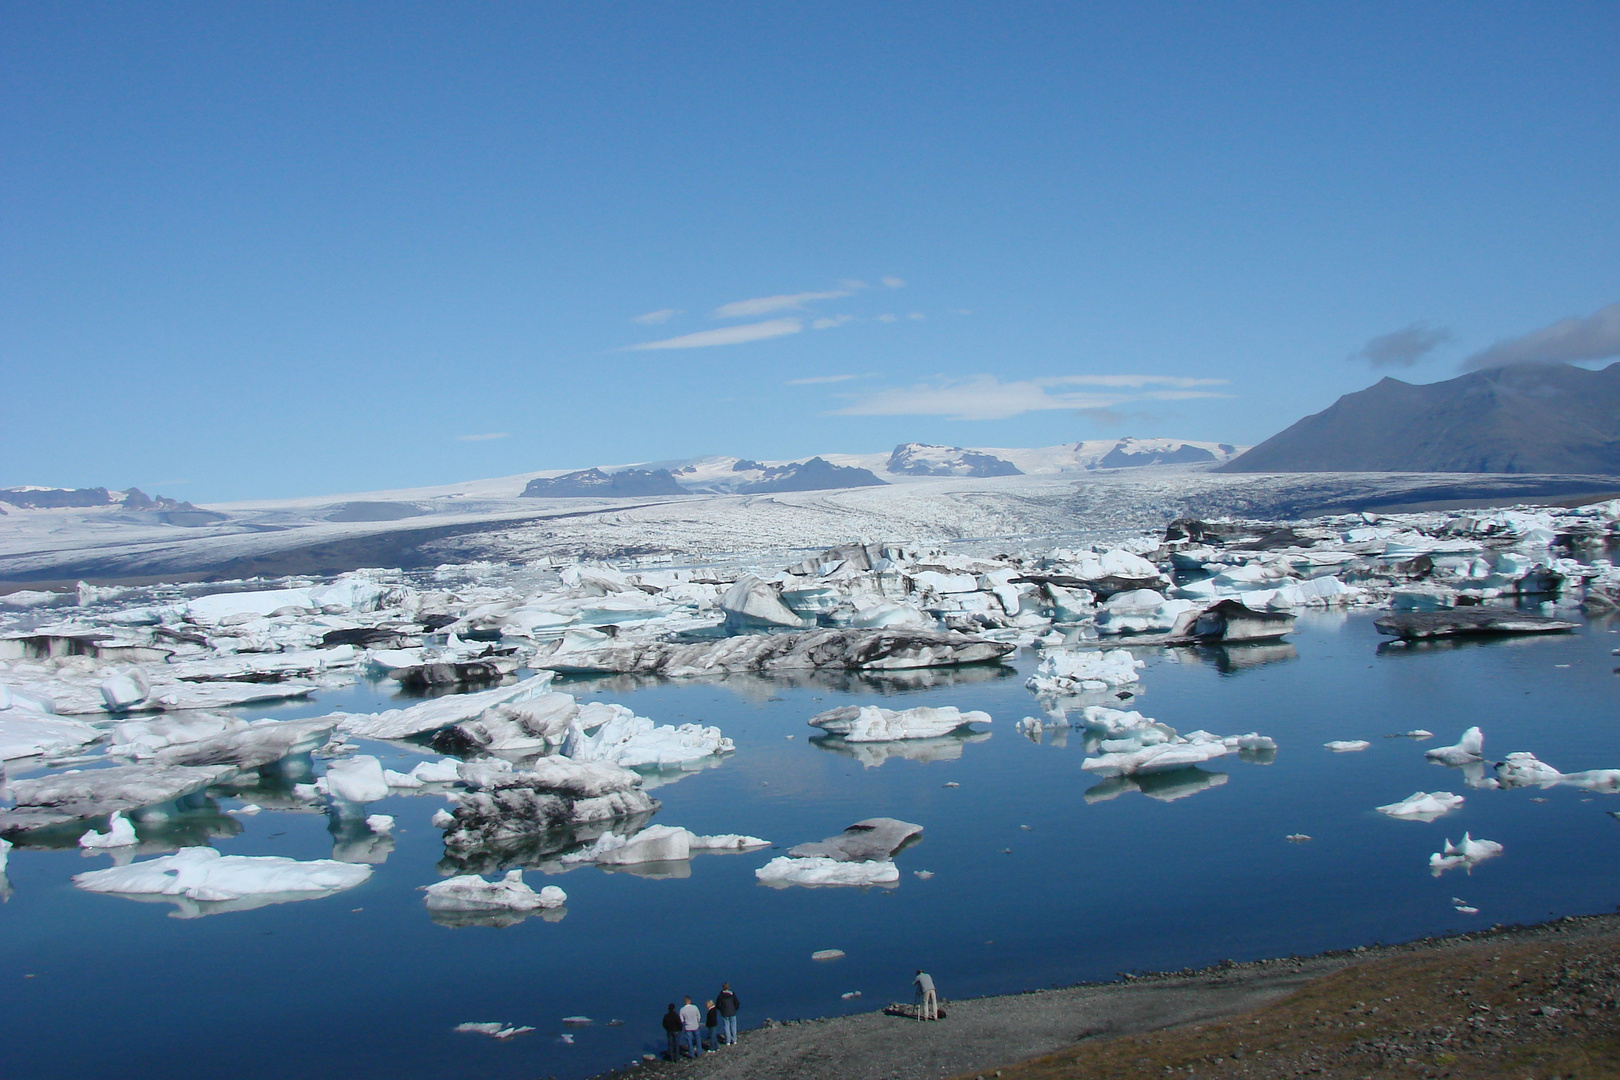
{"points": [[685, 1027]]}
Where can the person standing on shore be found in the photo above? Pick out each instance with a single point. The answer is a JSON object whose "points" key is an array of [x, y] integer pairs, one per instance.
{"points": [[711, 1017], [927, 999], [672, 1032], [691, 1020], [726, 1003]]}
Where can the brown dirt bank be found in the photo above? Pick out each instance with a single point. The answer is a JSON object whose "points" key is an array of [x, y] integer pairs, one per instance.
{"points": [[1516, 1002]]}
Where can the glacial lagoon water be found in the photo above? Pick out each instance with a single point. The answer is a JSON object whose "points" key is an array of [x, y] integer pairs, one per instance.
{"points": [[1033, 884]]}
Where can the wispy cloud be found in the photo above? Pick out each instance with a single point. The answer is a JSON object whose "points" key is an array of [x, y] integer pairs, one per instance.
{"points": [[730, 335], [1595, 337], [894, 282], [852, 284], [654, 318], [815, 380], [485, 437], [765, 305], [830, 321], [984, 397], [1404, 347], [888, 317]]}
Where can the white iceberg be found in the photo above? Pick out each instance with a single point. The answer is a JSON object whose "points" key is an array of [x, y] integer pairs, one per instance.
{"points": [[1471, 747], [1423, 805], [1466, 854], [198, 875], [1068, 671], [869, 723], [120, 833], [356, 780], [783, 871], [436, 713], [1347, 746], [493, 1030], [632, 741], [25, 733], [470, 892]]}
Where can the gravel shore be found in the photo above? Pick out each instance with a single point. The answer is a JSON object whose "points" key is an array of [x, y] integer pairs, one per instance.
{"points": [[1535, 1001]]}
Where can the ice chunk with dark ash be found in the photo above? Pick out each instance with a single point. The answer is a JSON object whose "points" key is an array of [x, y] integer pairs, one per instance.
{"points": [[865, 650], [1458, 622]]}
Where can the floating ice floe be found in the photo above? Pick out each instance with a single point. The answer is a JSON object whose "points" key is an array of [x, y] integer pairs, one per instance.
{"points": [[120, 833], [1071, 672], [469, 892], [25, 733], [249, 745], [73, 796], [1469, 748], [201, 881], [1523, 769], [1347, 746], [783, 871], [1140, 611], [1423, 805], [1470, 621], [1465, 854], [656, 844], [436, 713], [623, 738], [869, 723], [827, 954]]}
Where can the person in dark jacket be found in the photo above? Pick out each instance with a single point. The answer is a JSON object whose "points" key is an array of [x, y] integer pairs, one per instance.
{"points": [[672, 1030], [726, 1004], [711, 1017]]}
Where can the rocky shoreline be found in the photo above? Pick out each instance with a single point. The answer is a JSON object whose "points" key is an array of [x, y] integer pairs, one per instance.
{"points": [[1515, 1001]]}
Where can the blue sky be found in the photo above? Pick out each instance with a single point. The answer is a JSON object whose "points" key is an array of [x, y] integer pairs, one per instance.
{"points": [[262, 250]]}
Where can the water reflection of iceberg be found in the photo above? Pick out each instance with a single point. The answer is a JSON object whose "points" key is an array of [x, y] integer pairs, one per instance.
{"points": [[758, 688], [873, 754], [496, 919], [1166, 786], [538, 850], [1232, 659]]}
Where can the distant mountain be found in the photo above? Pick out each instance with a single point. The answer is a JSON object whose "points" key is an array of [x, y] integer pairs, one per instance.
{"points": [[166, 510], [1133, 453], [1530, 418], [817, 474], [594, 483], [927, 459]]}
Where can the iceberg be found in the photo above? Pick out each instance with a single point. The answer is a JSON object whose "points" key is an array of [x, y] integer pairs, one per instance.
{"points": [[1347, 746], [436, 713], [782, 871], [1466, 854], [869, 723], [250, 745], [856, 649], [356, 780], [1164, 757], [752, 603], [1069, 672], [633, 741], [201, 881], [469, 892], [1423, 805], [1140, 611], [1469, 748], [554, 793], [73, 796], [494, 1030], [120, 833], [873, 838]]}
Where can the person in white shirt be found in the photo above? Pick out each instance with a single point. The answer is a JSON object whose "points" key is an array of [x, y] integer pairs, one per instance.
{"points": [[691, 1020], [928, 1005]]}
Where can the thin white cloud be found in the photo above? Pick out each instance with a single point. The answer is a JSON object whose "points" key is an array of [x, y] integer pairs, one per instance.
{"points": [[1131, 381], [916, 316], [894, 282], [484, 438], [730, 335], [830, 321], [654, 318], [888, 318], [765, 305], [852, 284], [816, 380], [984, 397], [1595, 337]]}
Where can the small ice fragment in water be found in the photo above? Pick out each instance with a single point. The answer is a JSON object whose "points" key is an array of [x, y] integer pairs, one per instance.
{"points": [[851, 996], [1423, 805], [926, 874], [952, 783], [442, 819], [1296, 838], [1347, 746], [1023, 827], [381, 824], [247, 811], [1469, 748], [578, 1020], [827, 954], [1465, 910], [787, 736], [566, 1037]]}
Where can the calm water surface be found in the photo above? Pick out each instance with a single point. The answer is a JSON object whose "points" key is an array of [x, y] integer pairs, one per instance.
{"points": [[1033, 884]]}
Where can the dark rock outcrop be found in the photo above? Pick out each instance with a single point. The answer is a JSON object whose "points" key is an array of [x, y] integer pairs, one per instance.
{"points": [[817, 474]]}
